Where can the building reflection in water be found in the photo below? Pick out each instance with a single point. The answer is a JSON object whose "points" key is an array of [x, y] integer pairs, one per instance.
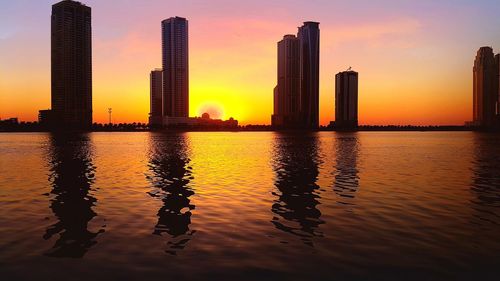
{"points": [[486, 180], [71, 176], [295, 163], [170, 177], [346, 168]]}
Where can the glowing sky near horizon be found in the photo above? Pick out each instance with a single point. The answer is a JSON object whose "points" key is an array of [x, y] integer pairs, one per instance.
{"points": [[414, 57]]}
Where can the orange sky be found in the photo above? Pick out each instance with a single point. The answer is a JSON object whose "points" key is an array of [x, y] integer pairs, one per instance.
{"points": [[414, 59]]}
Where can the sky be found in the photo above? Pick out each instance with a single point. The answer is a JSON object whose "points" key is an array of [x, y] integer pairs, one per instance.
{"points": [[414, 58]]}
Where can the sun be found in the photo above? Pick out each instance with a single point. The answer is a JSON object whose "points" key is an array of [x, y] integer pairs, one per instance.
{"points": [[214, 110]]}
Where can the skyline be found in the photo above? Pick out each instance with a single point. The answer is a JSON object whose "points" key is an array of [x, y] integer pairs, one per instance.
{"points": [[234, 65]]}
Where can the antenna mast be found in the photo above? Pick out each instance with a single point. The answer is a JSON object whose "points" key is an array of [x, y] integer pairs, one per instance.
{"points": [[109, 112]]}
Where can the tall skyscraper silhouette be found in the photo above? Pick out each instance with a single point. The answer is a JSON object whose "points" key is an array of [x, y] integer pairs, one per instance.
{"points": [[287, 92], [486, 88], [296, 96], [156, 99], [309, 73], [175, 67], [71, 42], [346, 100], [497, 63]]}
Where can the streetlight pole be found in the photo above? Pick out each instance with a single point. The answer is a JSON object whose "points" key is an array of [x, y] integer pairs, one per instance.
{"points": [[109, 112]]}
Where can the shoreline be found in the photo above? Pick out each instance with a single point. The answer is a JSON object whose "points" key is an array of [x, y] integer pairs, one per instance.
{"points": [[264, 128]]}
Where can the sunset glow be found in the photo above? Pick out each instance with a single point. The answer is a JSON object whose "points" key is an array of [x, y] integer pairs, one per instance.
{"points": [[414, 58]]}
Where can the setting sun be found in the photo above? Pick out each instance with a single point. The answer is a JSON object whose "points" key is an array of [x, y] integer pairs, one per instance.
{"points": [[213, 109]]}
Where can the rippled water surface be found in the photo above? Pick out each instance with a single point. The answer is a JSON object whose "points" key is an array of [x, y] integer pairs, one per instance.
{"points": [[250, 206]]}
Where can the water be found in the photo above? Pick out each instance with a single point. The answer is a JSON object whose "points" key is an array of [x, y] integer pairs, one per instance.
{"points": [[250, 206]]}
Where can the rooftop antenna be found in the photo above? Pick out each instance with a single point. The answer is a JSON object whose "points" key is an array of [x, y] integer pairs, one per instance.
{"points": [[349, 69], [109, 112]]}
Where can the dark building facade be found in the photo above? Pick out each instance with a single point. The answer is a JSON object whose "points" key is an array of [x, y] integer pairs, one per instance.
{"points": [[156, 97], [497, 63], [346, 100], [296, 96], [175, 67], [309, 73], [71, 71], [287, 92], [486, 88]]}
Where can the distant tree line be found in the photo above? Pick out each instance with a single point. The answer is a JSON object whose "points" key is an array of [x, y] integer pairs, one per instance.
{"points": [[12, 125]]}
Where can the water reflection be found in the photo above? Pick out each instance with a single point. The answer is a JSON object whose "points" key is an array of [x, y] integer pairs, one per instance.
{"points": [[346, 172], [295, 163], [71, 176], [170, 177], [486, 179]]}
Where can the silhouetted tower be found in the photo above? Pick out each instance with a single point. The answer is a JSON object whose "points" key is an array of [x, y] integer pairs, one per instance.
{"points": [[156, 97], [346, 100], [287, 92], [175, 67], [71, 43], [497, 63], [486, 87], [309, 73]]}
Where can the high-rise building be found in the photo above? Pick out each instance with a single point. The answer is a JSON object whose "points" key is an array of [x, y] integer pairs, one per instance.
{"points": [[296, 96], [309, 73], [71, 42], [497, 63], [346, 100], [287, 92], [156, 97], [486, 88], [175, 67]]}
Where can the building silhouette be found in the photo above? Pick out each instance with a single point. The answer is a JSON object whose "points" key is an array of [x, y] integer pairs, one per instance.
{"points": [[175, 67], [156, 99], [287, 92], [486, 88], [309, 73], [497, 64], [296, 96], [71, 58], [346, 100]]}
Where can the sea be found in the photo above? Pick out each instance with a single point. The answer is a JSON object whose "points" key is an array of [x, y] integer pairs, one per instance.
{"points": [[250, 206]]}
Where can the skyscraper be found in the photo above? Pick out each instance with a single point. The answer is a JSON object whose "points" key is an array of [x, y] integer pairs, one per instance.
{"points": [[175, 67], [309, 73], [296, 95], [346, 100], [287, 92], [71, 42], [486, 88], [156, 99], [497, 63]]}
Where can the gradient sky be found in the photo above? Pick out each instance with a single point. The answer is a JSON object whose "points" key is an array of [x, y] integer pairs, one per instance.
{"points": [[414, 57]]}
